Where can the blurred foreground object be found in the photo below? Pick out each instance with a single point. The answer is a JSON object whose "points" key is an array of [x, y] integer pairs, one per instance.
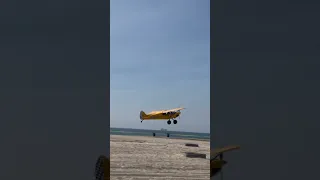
{"points": [[102, 169], [216, 160]]}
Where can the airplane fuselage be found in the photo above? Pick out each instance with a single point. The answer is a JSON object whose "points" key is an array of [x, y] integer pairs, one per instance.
{"points": [[161, 116]]}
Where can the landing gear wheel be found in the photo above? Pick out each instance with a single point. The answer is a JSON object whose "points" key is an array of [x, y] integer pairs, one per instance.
{"points": [[175, 121], [168, 122]]}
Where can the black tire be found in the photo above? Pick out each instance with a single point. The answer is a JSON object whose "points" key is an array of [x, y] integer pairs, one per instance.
{"points": [[175, 121], [168, 122]]}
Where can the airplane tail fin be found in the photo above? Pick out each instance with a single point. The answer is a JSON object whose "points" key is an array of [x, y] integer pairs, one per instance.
{"points": [[142, 115]]}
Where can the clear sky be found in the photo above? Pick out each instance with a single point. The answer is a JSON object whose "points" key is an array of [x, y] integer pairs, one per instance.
{"points": [[160, 59]]}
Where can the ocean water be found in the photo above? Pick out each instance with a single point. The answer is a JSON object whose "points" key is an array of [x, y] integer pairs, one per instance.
{"points": [[159, 133]]}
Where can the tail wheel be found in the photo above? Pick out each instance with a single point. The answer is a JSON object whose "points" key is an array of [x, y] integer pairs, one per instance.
{"points": [[175, 121], [168, 122]]}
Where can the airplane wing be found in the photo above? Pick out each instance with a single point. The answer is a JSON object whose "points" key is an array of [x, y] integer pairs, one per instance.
{"points": [[222, 150], [165, 111], [172, 110]]}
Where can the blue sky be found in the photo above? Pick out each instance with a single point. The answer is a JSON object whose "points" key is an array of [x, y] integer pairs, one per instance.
{"points": [[160, 59]]}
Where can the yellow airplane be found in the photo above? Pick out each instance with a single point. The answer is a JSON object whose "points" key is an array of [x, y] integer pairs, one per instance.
{"points": [[217, 162], [162, 115]]}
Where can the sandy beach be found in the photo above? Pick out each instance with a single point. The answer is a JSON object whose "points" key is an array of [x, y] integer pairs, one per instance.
{"points": [[142, 157]]}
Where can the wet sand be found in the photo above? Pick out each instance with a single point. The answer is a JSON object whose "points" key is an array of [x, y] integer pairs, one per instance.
{"points": [[141, 157]]}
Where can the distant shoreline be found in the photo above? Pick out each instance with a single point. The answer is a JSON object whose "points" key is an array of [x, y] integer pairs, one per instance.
{"points": [[163, 137], [160, 134], [160, 130]]}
